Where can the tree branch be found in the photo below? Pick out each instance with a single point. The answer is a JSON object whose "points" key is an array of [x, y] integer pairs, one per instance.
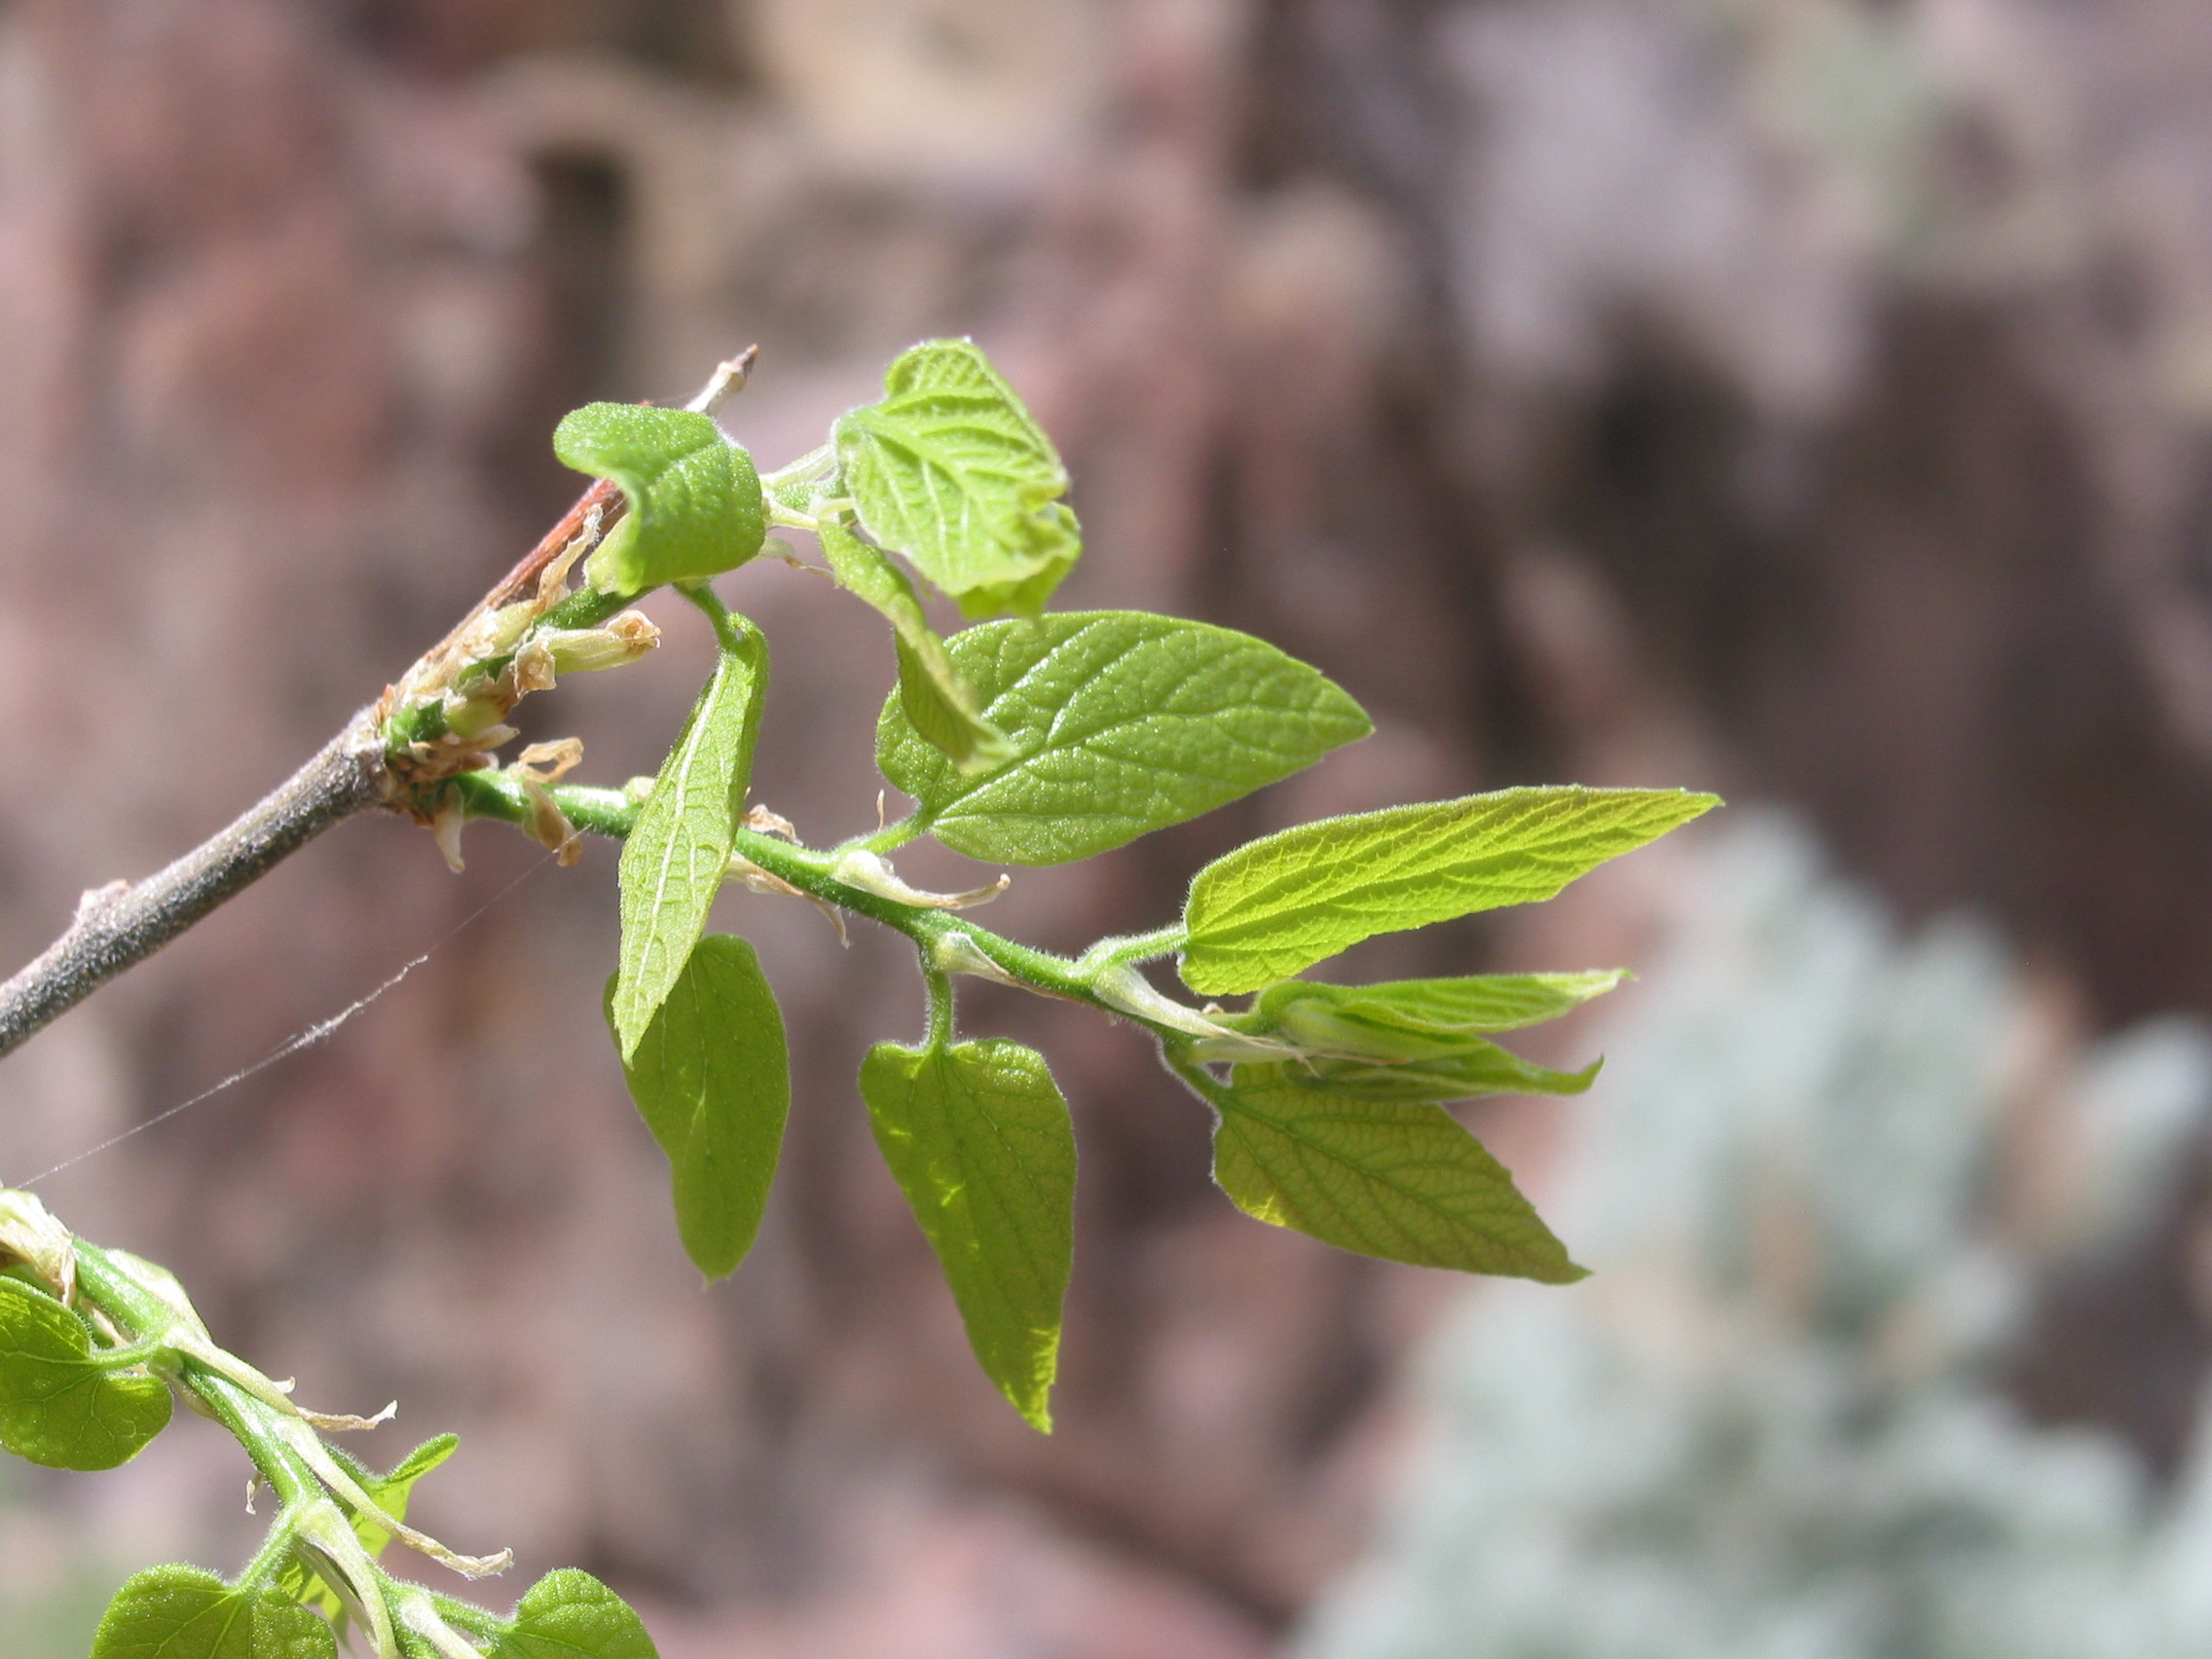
{"points": [[120, 925]]}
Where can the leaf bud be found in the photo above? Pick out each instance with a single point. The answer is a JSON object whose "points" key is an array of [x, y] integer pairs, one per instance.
{"points": [[495, 633], [30, 1236], [548, 826], [871, 872], [582, 650], [1318, 1028], [534, 668], [473, 715]]}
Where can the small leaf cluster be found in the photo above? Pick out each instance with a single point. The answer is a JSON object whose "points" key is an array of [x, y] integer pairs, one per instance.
{"points": [[1039, 738], [94, 1345]]}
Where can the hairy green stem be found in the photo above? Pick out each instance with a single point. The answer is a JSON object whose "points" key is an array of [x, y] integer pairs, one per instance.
{"points": [[320, 1494], [940, 1005], [892, 836], [949, 941], [115, 1291], [1175, 1054], [700, 594], [1133, 948]]}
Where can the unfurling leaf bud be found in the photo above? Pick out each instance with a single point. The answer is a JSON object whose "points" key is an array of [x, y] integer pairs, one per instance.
{"points": [[548, 826], [582, 650], [32, 1237], [534, 668], [471, 717]]}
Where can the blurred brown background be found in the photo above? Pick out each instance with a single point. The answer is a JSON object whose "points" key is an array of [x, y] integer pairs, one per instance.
{"points": [[1806, 398]]}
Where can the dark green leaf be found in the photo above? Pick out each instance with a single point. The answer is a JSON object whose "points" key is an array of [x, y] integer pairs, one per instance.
{"points": [[939, 704], [714, 1081], [182, 1612], [950, 472], [978, 1138], [59, 1403], [1276, 907], [572, 1615], [1404, 1182], [678, 852], [695, 506], [1121, 723]]}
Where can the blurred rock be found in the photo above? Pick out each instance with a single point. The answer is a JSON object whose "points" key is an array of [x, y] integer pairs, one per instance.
{"points": [[1772, 1423]]}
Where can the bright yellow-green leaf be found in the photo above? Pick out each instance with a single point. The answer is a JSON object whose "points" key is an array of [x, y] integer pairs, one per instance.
{"points": [[390, 1492], [694, 502], [1119, 724], [1480, 1002], [949, 470], [939, 704], [1057, 541], [978, 1138], [678, 852], [714, 1081], [183, 1612], [1476, 1067], [1279, 905], [1420, 1039], [60, 1405], [572, 1615], [1400, 1181]]}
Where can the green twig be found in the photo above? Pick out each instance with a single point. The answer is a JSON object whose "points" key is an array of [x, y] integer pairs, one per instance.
{"points": [[941, 1005], [950, 941]]}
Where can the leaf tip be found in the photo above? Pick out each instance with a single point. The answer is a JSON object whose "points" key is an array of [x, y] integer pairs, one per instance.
{"points": [[1029, 1390], [713, 1263], [623, 1022]]}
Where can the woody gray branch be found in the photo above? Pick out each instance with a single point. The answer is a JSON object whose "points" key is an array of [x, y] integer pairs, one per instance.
{"points": [[121, 924]]}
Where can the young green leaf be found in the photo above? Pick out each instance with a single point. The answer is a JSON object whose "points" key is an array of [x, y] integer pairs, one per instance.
{"points": [[1056, 530], [1476, 1067], [676, 856], [1404, 1182], [950, 472], [1419, 1039], [183, 1612], [695, 506], [1119, 724], [572, 1615], [390, 1492], [939, 704], [61, 1404], [978, 1138], [1288, 901], [714, 1081], [1440, 1007]]}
